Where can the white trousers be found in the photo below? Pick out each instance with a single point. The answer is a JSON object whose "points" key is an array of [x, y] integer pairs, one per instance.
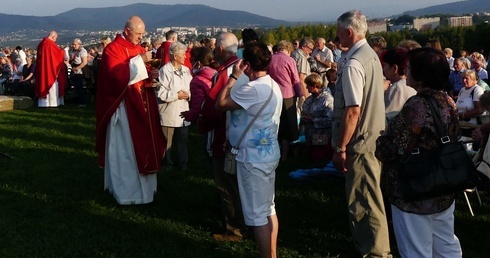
{"points": [[426, 235]]}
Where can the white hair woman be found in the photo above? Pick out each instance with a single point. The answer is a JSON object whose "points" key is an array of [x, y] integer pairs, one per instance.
{"points": [[173, 97]]}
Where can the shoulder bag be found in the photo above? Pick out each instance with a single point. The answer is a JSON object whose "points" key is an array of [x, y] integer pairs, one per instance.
{"points": [[230, 156], [444, 170]]}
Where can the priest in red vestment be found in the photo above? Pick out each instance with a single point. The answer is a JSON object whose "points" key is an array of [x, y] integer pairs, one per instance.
{"points": [[129, 139], [50, 72]]}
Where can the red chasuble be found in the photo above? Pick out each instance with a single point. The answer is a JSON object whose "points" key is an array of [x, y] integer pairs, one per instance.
{"points": [[50, 65], [141, 106]]}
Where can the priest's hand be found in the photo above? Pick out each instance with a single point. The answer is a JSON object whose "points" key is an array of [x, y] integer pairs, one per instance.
{"points": [[146, 56]]}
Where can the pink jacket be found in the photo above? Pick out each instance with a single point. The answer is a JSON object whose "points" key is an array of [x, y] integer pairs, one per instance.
{"points": [[200, 86]]}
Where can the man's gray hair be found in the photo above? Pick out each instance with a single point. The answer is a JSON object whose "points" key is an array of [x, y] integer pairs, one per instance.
{"points": [[78, 41], [305, 41], [354, 20], [228, 41], [176, 48]]}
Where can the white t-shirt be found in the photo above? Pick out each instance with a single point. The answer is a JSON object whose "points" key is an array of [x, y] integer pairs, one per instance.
{"points": [[260, 143], [76, 57], [465, 100]]}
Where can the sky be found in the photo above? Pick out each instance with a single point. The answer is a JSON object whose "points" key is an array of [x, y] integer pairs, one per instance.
{"points": [[289, 10]]}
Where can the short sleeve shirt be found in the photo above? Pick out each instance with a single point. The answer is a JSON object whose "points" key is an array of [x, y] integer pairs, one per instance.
{"points": [[77, 58], [353, 77], [260, 143]]}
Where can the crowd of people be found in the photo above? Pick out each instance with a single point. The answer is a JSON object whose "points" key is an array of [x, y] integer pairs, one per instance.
{"points": [[356, 104]]}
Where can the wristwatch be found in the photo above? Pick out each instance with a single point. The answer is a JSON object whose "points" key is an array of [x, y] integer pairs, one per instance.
{"points": [[339, 150]]}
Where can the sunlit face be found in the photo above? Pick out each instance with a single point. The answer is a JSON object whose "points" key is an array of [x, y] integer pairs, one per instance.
{"points": [[315, 90], [468, 81], [308, 48], [458, 65], [135, 35], [180, 57], [75, 45], [320, 44]]}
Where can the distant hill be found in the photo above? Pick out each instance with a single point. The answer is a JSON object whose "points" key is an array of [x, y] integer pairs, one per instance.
{"points": [[113, 18], [456, 8]]}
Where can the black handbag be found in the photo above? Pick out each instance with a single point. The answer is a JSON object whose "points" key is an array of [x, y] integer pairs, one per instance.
{"points": [[444, 170]]}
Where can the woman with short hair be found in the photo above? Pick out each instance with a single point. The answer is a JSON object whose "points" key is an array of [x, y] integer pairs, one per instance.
{"points": [[173, 98], [425, 227]]}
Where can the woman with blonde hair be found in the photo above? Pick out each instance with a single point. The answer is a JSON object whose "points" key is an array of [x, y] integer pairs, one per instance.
{"points": [[316, 116], [468, 102]]}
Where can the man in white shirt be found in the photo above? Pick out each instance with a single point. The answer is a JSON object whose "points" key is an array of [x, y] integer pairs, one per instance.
{"points": [[322, 55], [477, 66]]}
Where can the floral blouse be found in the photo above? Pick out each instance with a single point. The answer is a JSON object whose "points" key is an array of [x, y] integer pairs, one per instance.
{"points": [[413, 128], [321, 109]]}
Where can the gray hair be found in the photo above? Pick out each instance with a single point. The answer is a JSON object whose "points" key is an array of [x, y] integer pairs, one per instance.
{"points": [[354, 20], [176, 48], [78, 41], [305, 41], [465, 61], [228, 41]]}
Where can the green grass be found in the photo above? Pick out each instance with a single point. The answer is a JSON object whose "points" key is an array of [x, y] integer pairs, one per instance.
{"points": [[52, 202]]}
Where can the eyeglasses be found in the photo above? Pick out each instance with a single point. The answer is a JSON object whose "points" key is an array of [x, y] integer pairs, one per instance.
{"points": [[310, 48], [313, 86]]}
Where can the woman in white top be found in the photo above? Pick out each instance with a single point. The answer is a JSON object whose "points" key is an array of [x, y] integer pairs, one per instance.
{"points": [[173, 96], [468, 103], [394, 64]]}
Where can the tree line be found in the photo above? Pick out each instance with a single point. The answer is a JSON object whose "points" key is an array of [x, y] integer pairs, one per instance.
{"points": [[473, 38]]}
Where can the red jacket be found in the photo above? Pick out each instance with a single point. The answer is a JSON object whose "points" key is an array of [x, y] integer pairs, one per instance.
{"points": [[162, 53], [213, 116]]}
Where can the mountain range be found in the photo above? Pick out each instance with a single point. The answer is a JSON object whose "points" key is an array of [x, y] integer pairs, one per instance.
{"points": [[456, 8], [155, 16], [187, 15]]}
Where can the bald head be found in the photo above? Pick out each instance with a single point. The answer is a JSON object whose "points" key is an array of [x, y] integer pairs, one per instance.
{"points": [[134, 30], [53, 35]]}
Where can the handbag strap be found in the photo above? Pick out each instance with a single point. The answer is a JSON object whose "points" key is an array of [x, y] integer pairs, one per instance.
{"points": [[436, 114], [255, 117]]}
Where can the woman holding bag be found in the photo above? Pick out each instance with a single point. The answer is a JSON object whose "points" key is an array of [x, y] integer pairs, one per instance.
{"points": [[423, 228]]}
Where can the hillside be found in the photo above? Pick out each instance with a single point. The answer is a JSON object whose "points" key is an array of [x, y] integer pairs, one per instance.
{"points": [[112, 18], [456, 8]]}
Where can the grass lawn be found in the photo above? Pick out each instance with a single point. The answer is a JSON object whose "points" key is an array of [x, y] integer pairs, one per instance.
{"points": [[52, 202]]}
